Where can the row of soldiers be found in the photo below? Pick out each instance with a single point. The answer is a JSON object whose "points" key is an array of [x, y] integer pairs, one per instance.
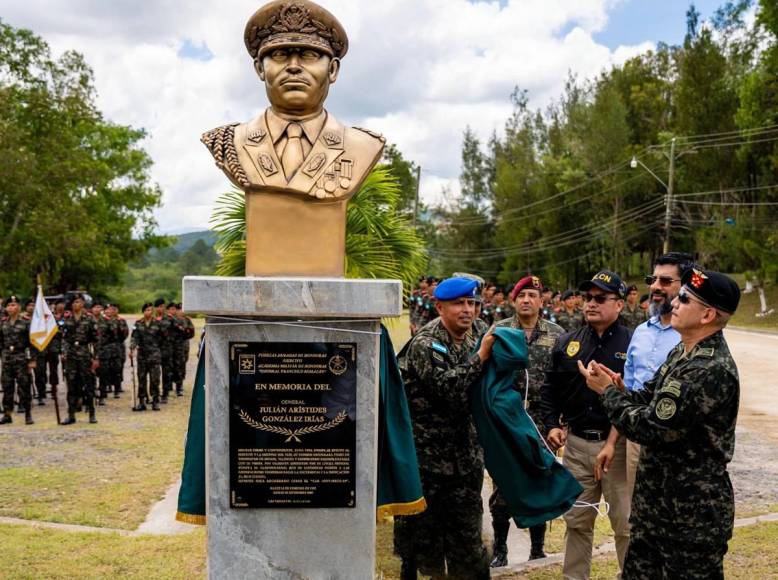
{"points": [[564, 309], [90, 345]]}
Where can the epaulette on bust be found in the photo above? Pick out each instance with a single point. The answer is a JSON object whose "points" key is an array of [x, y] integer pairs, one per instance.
{"points": [[221, 144], [372, 134]]}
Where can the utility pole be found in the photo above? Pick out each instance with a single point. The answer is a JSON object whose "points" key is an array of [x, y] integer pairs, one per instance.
{"points": [[416, 202], [669, 198]]}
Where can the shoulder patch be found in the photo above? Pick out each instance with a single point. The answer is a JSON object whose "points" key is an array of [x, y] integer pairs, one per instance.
{"points": [[572, 348], [665, 408], [546, 341], [704, 352], [441, 348]]}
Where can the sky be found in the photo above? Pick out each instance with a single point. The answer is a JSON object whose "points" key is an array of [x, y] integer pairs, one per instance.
{"points": [[417, 71]]}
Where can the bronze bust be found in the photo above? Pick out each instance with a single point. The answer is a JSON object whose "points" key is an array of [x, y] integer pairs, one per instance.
{"points": [[296, 163]]}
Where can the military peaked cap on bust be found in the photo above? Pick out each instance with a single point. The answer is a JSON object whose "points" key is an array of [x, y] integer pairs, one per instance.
{"points": [[294, 23], [453, 288], [606, 281], [531, 282], [713, 288]]}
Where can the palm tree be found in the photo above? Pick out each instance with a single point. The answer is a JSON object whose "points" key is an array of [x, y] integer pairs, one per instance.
{"points": [[380, 242]]}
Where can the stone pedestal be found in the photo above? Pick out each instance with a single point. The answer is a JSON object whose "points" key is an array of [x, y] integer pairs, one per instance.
{"points": [[291, 543]]}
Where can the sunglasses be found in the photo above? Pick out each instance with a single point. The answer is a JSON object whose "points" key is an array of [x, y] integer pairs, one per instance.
{"points": [[663, 280], [598, 298], [684, 298]]}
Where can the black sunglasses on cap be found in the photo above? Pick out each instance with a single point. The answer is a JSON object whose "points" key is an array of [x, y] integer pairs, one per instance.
{"points": [[663, 280]]}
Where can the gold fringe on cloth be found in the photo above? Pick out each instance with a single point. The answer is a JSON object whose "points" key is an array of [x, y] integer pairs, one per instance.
{"points": [[384, 512], [196, 519]]}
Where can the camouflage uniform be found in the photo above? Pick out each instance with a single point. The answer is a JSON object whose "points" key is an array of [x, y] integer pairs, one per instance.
{"points": [[167, 345], [109, 354], [414, 302], [78, 349], [182, 331], [427, 311], [632, 318], [124, 332], [147, 339], [47, 368], [438, 375], [570, 322], [16, 356], [502, 311], [539, 347], [684, 417]]}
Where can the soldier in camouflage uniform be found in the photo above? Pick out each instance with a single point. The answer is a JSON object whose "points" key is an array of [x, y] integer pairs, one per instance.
{"points": [[167, 344], [124, 332], [112, 337], [570, 318], [183, 331], [439, 367], [146, 339], [633, 315], [684, 417], [414, 304], [17, 361], [428, 312], [501, 308], [78, 354], [541, 337]]}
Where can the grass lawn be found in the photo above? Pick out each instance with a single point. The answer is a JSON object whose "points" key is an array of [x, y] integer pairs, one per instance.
{"points": [[44, 553]]}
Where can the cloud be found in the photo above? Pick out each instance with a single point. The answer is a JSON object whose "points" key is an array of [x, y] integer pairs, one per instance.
{"points": [[419, 71]]}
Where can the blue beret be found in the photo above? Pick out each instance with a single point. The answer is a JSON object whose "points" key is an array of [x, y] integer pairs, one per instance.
{"points": [[453, 288]]}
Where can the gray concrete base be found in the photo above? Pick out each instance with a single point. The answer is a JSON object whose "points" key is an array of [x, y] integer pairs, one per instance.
{"points": [[291, 543]]}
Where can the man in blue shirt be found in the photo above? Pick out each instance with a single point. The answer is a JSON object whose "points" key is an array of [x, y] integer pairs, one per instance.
{"points": [[653, 340]]}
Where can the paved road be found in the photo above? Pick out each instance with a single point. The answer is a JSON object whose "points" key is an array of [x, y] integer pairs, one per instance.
{"points": [[756, 355]]}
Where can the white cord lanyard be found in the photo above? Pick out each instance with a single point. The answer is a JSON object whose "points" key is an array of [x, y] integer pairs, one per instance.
{"points": [[603, 511]]}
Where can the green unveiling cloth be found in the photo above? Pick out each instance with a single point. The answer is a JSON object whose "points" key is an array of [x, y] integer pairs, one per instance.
{"points": [[399, 484], [191, 496], [535, 486]]}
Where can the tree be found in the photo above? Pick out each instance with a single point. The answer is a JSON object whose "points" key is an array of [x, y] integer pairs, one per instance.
{"points": [[404, 173], [76, 201]]}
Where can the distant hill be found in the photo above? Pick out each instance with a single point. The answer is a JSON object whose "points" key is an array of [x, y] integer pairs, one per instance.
{"points": [[186, 241]]}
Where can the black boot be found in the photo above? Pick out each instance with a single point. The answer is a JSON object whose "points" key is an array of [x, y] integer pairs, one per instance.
{"points": [[116, 394], [70, 420], [92, 418], [28, 418], [164, 399], [6, 418], [155, 404], [500, 546], [179, 390], [41, 402], [141, 406], [537, 536], [408, 570], [19, 408]]}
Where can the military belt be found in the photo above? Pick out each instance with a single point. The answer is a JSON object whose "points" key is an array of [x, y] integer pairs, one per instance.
{"points": [[590, 434]]}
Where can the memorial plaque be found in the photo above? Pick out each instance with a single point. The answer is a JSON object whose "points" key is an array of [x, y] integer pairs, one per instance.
{"points": [[293, 424]]}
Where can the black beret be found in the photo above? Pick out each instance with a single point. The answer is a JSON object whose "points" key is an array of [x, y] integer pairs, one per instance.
{"points": [[146, 305], [159, 302], [713, 288], [644, 297], [172, 305], [180, 306], [28, 302], [12, 299], [567, 294]]}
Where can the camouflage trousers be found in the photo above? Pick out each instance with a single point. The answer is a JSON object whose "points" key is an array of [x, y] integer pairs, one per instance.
{"points": [[447, 536], [663, 556], [46, 372], [16, 377], [81, 382], [168, 370], [110, 371], [179, 363], [148, 377]]}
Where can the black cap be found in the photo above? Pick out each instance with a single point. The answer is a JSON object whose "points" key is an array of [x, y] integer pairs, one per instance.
{"points": [[12, 299], [76, 296], [713, 288], [159, 302], [172, 305], [567, 294], [146, 305], [28, 302], [606, 281], [644, 297], [632, 288], [180, 306]]}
